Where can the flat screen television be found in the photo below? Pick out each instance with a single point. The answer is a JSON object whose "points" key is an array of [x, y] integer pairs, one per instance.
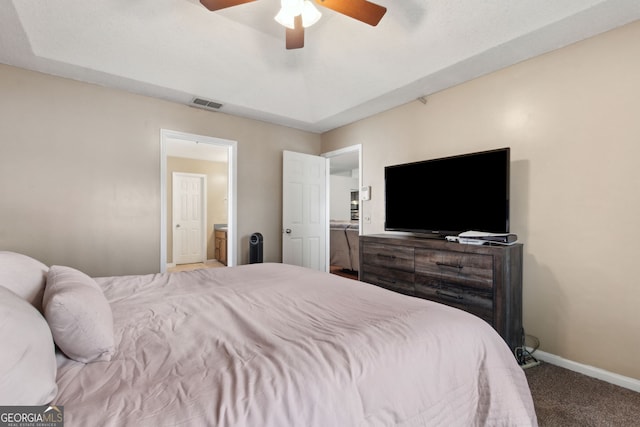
{"points": [[449, 195]]}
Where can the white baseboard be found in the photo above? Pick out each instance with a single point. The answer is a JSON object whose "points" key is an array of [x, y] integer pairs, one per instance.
{"points": [[591, 371]]}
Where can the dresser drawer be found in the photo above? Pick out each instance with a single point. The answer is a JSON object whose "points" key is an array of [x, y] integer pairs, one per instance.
{"points": [[395, 280], [472, 300], [395, 257], [482, 280], [449, 267]]}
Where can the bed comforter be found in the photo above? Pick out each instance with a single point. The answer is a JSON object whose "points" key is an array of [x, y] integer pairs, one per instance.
{"points": [[278, 345]]}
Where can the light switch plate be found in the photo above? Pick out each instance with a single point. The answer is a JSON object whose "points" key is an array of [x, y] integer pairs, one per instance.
{"points": [[365, 193]]}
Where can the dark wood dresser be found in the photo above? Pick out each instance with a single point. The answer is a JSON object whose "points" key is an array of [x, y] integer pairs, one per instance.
{"points": [[483, 280]]}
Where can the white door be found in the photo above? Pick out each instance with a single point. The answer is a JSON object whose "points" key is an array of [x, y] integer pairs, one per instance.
{"points": [[189, 240], [304, 225]]}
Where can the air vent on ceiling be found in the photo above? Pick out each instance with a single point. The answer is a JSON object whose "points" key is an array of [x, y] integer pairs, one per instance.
{"points": [[206, 104]]}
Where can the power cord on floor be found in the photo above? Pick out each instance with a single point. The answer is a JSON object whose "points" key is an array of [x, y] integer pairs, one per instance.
{"points": [[525, 357]]}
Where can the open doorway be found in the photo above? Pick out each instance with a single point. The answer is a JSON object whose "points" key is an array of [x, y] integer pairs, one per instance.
{"points": [[344, 182], [215, 159]]}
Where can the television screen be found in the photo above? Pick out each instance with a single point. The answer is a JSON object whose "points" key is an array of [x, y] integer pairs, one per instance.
{"points": [[449, 195]]}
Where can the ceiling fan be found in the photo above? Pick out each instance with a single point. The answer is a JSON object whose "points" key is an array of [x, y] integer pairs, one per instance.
{"points": [[296, 15]]}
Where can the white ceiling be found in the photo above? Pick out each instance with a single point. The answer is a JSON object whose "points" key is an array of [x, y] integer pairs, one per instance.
{"points": [[178, 50]]}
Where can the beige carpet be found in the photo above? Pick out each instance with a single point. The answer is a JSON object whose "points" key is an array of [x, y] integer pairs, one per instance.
{"points": [[564, 398], [196, 266], [215, 264]]}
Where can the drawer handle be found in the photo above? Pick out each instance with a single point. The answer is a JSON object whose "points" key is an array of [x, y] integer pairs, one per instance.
{"points": [[391, 282], [449, 295], [386, 256], [444, 264]]}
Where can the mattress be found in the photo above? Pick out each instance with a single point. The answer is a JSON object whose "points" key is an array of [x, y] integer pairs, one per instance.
{"points": [[279, 345]]}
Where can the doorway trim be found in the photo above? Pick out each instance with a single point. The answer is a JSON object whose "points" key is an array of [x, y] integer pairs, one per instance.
{"points": [[350, 149], [232, 156]]}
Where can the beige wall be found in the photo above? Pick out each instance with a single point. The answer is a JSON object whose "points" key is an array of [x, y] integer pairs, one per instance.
{"points": [[572, 119], [80, 172], [217, 180]]}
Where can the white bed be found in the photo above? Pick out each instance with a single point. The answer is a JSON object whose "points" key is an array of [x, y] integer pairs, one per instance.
{"points": [[279, 345]]}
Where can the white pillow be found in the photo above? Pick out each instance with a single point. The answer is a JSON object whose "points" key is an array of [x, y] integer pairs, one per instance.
{"points": [[24, 276], [27, 357], [79, 315]]}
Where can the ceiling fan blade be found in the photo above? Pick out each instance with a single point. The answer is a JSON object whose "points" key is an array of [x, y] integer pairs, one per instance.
{"points": [[221, 4], [362, 10], [295, 37]]}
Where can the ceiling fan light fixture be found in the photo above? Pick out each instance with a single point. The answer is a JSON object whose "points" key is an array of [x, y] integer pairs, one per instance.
{"points": [[285, 19], [310, 14], [289, 9]]}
